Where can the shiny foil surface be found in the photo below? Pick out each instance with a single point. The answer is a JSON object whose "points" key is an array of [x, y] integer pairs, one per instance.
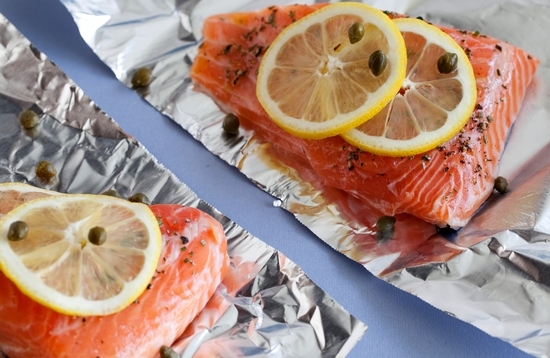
{"points": [[270, 304], [493, 273]]}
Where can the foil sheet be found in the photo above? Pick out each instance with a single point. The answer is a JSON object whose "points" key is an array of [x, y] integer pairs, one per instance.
{"points": [[267, 306], [493, 273]]}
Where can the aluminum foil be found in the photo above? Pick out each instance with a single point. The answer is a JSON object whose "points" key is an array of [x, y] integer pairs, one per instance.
{"points": [[493, 273], [267, 306]]}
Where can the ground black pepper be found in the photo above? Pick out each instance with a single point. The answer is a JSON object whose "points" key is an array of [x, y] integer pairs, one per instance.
{"points": [[271, 18]]}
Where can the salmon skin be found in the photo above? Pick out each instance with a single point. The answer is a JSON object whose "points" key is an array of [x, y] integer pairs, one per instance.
{"points": [[444, 186], [184, 282]]}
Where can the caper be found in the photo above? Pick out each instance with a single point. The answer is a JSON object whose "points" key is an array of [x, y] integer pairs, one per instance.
{"points": [[356, 32], [385, 228], [501, 185], [28, 119], [111, 192], [231, 124], [140, 198], [447, 63], [97, 235], [385, 223], [45, 171], [378, 62], [18, 230], [142, 77], [167, 352]]}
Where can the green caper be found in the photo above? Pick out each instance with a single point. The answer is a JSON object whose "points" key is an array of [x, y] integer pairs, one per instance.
{"points": [[501, 185], [140, 198], [447, 63], [231, 124], [167, 352], [378, 62], [111, 192], [385, 228], [356, 32], [18, 230], [142, 77], [45, 171], [28, 119], [97, 235], [385, 223]]}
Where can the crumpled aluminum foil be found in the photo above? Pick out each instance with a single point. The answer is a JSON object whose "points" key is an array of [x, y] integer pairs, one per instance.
{"points": [[271, 306], [493, 273]]}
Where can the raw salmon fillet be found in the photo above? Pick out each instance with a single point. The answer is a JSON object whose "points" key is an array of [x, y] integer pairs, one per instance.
{"points": [[184, 282], [444, 186]]}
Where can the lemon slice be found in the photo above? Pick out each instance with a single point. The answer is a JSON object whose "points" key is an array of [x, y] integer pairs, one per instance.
{"points": [[14, 194], [57, 265], [315, 83], [431, 106]]}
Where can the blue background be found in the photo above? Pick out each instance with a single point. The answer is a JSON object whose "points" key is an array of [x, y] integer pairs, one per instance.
{"points": [[400, 325]]}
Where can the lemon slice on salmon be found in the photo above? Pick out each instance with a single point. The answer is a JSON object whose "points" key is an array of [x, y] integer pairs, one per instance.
{"points": [[14, 194], [436, 99], [331, 70], [80, 254]]}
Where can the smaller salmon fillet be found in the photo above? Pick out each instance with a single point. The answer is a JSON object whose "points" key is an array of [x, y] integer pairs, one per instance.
{"points": [[184, 282], [444, 186]]}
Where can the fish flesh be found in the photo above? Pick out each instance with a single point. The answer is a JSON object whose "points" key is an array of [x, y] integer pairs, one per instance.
{"points": [[444, 186], [184, 282]]}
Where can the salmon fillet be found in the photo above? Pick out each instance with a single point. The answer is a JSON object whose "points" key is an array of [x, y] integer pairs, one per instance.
{"points": [[184, 282], [444, 186]]}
